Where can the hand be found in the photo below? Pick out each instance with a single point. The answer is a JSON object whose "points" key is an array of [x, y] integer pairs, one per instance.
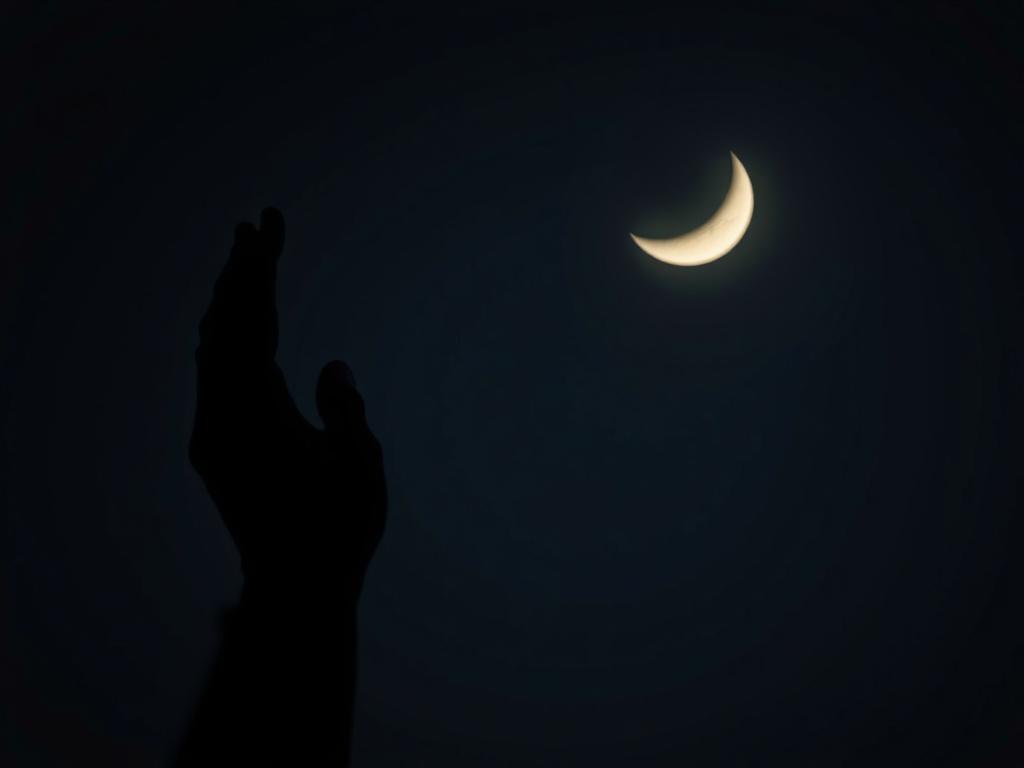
{"points": [[305, 507]]}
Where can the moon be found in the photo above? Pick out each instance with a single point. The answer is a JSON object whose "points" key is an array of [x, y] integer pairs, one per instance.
{"points": [[715, 237]]}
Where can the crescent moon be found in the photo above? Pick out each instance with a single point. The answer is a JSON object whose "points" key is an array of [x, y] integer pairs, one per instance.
{"points": [[715, 237]]}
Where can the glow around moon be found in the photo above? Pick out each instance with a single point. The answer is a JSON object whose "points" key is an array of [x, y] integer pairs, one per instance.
{"points": [[718, 235]]}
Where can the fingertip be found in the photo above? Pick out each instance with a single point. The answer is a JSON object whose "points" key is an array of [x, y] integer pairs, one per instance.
{"points": [[244, 230], [338, 372], [337, 400]]}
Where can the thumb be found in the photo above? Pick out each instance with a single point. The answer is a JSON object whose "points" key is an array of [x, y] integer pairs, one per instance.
{"points": [[337, 400]]}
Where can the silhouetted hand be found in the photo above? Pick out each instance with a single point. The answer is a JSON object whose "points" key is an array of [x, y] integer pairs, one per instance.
{"points": [[306, 510], [305, 506]]}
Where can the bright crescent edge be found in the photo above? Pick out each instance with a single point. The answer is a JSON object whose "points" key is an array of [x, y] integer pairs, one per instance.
{"points": [[717, 236]]}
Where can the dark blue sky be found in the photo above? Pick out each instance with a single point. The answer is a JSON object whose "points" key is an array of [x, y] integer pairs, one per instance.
{"points": [[763, 512]]}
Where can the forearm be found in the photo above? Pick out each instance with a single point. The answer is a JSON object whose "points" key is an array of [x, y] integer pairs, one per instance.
{"points": [[282, 687]]}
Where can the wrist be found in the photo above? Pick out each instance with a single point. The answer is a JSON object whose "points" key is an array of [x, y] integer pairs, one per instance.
{"points": [[272, 604]]}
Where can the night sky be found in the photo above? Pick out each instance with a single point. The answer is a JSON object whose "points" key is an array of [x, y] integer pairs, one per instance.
{"points": [[761, 512]]}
